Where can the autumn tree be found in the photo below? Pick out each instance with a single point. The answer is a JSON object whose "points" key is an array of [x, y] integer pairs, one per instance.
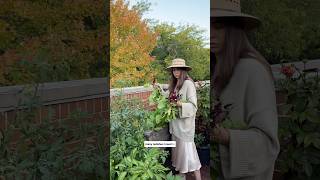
{"points": [[52, 40], [185, 41], [131, 43]]}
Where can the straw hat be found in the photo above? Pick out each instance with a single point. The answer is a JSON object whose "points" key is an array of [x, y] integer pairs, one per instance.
{"points": [[232, 9], [179, 63]]}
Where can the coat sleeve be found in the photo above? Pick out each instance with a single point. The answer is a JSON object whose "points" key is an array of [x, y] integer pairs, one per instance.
{"points": [[189, 108], [254, 150]]}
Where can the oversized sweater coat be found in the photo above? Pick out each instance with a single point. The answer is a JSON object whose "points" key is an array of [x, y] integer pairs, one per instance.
{"points": [[254, 145], [184, 126]]}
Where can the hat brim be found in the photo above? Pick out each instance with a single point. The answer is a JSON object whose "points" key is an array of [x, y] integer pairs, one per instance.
{"points": [[249, 22], [188, 68]]}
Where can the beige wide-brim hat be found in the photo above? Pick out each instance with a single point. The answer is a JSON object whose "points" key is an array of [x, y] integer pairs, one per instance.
{"points": [[232, 9], [179, 63]]}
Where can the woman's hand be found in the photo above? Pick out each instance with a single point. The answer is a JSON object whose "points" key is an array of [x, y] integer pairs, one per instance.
{"points": [[179, 104], [220, 135], [155, 85]]}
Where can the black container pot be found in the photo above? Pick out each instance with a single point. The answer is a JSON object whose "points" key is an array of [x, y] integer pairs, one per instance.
{"points": [[204, 154]]}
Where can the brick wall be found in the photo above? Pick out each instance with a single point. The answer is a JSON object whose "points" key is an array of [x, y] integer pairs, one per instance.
{"points": [[94, 107], [61, 98], [89, 95], [143, 93], [138, 92]]}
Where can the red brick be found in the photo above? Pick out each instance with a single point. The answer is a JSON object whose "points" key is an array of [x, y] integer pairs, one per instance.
{"points": [[73, 106], [90, 105], [3, 121], [97, 117], [16, 135], [91, 119], [104, 104], [64, 110], [11, 116], [81, 105], [70, 123], [97, 105], [105, 115], [38, 116], [94, 119], [44, 112], [55, 109]]}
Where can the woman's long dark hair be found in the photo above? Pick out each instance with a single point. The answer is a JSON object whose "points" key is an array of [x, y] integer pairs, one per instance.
{"points": [[174, 82], [237, 46]]}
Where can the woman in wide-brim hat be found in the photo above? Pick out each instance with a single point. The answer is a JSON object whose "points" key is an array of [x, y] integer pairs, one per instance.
{"points": [[243, 81], [182, 92]]}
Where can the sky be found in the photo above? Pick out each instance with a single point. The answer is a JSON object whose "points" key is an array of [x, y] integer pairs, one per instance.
{"points": [[180, 12]]}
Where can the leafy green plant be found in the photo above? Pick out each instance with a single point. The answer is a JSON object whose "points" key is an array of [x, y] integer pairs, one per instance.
{"points": [[183, 41], [170, 176], [164, 112], [203, 97], [129, 159], [127, 125], [300, 124], [199, 139], [214, 161], [149, 167], [42, 150]]}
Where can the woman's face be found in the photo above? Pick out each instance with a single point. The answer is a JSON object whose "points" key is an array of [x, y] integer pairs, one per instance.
{"points": [[217, 36], [176, 72]]}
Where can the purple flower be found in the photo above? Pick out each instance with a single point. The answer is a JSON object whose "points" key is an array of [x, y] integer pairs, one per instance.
{"points": [[173, 98]]}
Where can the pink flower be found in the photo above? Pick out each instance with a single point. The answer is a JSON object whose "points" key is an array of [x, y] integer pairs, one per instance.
{"points": [[288, 71]]}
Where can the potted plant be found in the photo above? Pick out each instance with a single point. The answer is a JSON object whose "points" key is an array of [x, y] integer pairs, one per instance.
{"points": [[203, 148]]}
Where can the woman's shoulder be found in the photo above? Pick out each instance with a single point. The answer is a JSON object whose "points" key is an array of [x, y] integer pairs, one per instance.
{"points": [[249, 63], [251, 66], [188, 82]]}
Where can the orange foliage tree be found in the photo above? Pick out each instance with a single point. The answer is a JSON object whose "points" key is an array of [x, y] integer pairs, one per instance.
{"points": [[131, 42], [53, 40]]}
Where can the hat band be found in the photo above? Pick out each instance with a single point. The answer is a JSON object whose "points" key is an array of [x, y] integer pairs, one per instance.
{"points": [[229, 10], [178, 64]]}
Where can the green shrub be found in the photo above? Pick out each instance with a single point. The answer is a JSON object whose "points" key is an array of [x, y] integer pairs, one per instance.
{"points": [[41, 152], [300, 124], [129, 159]]}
